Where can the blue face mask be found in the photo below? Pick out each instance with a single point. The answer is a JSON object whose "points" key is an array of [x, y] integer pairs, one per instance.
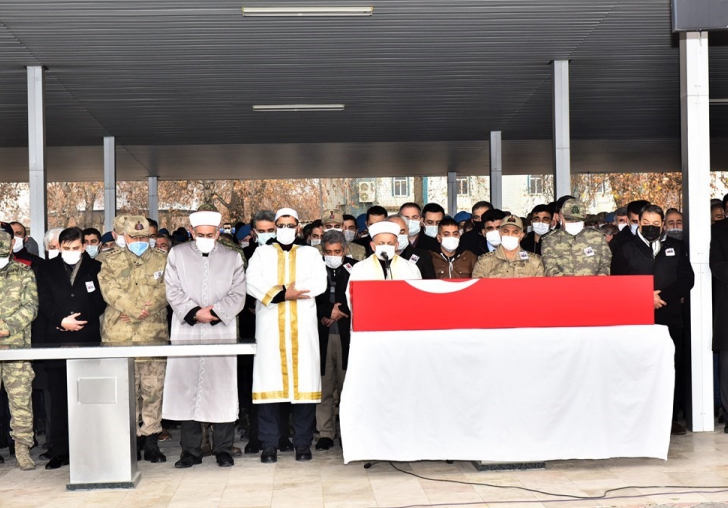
{"points": [[138, 248]]}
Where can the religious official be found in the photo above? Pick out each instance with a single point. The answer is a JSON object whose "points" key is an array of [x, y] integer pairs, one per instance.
{"points": [[285, 278], [206, 289], [132, 282]]}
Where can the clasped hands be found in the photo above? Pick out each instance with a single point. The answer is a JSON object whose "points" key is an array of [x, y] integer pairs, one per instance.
{"points": [[336, 314]]}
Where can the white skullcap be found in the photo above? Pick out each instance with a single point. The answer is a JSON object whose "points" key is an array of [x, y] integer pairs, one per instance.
{"points": [[384, 226], [205, 219], [286, 211]]}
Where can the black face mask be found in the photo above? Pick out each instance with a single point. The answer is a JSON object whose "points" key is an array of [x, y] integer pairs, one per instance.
{"points": [[651, 233]]}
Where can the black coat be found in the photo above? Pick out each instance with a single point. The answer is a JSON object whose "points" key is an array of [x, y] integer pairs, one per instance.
{"points": [[529, 243], [719, 268], [425, 242], [671, 269], [423, 260], [324, 306], [58, 299], [474, 242]]}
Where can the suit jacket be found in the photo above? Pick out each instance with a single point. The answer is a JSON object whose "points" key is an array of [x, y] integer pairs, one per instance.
{"points": [[422, 258], [58, 299], [426, 243], [474, 242], [671, 269], [719, 268], [324, 306]]}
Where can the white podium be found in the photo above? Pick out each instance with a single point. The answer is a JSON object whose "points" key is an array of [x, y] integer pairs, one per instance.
{"points": [[101, 405]]}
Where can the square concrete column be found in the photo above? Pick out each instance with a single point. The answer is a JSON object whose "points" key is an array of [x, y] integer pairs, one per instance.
{"points": [[695, 127], [496, 170], [37, 156], [153, 206], [452, 192], [561, 128], [109, 182]]}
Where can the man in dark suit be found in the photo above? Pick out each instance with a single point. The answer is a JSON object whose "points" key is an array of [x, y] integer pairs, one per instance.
{"points": [[421, 257], [719, 269], [334, 333], [71, 304]]}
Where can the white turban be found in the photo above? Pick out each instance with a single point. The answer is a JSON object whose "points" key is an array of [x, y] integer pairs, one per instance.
{"points": [[286, 211], [205, 219], [384, 226]]}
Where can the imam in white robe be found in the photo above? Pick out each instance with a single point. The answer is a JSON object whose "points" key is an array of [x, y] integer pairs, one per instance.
{"points": [[205, 388], [371, 269], [287, 359]]}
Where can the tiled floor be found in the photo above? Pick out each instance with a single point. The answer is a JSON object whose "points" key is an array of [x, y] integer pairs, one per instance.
{"points": [[695, 459]]}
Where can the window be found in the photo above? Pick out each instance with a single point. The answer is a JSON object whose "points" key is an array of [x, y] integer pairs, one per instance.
{"points": [[400, 187], [535, 184], [463, 186]]}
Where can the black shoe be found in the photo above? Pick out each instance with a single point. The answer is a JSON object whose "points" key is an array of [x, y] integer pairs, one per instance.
{"points": [[2, 460], [285, 445], [303, 453], [11, 448], [725, 429], [269, 455], [187, 460], [140, 446], [57, 461], [224, 459], [253, 446], [324, 443], [151, 450], [46, 455], [677, 429]]}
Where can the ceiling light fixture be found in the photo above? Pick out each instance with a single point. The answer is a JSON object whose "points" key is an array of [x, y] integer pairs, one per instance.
{"points": [[308, 11], [299, 107]]}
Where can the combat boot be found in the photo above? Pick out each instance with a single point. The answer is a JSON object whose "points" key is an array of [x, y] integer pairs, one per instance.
{"points": [[22, 455], [151, 450]]}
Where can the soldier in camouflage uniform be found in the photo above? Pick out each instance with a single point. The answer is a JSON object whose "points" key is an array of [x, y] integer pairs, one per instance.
{"points": [[118, 231], [18, 309], [573, 249], [132, 282], [507, 260]]}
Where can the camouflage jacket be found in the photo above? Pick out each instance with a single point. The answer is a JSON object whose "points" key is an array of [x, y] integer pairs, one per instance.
{"points": [[127, 282], [497, 266], [19, 303], [587, 253], [236, 247]]}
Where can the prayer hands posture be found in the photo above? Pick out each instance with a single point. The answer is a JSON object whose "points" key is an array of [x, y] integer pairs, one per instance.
{"points": [[337, 314], [204, 315], [71, 324], [294, 294]]}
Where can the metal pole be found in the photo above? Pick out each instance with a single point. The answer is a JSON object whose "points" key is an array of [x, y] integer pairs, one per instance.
{"points": [[695, 124], [153, 198], [496, 170], [109, 182], [561, 129], [452, 192], [37, 156]]}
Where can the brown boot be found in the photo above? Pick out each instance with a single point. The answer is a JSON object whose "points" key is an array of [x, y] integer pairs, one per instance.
{"points": [[22, 455]]}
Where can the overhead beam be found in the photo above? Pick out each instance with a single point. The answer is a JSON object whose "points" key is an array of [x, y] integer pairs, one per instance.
{"points": [[37, 156], [561, 128]]}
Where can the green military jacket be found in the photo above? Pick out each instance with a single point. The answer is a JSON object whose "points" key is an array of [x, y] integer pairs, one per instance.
{"points": [[496, 265], [19, 303], [127, 282], [564, 254]]}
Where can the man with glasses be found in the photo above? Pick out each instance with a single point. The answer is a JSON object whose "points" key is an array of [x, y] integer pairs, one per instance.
{"points": [[285, 278]]}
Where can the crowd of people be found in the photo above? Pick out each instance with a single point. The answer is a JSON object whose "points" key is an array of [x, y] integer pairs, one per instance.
{"points": [[287, 285]]}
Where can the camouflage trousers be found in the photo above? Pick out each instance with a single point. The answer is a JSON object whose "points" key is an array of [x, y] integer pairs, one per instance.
{"points": [[149, 385], [17, 377]]}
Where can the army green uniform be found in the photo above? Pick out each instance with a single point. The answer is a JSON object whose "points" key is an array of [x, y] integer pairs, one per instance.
{"points": [[127, 282], [18, 309], [496, 265], [586, 253], [235, 247]]}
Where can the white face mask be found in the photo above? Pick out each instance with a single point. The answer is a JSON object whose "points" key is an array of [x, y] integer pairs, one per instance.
{"points": [[205, 245], [244, 244], [152, 242], [350, 235], [120, 241], [450, 243], [52, 254], [633, 228], [4, 262], [573, 228], [431, 231], [510, 242], [493, 237], [541, 228], [286, 236], [333, 262], [264, 237], [381, 250], [71, 257], [315, 242], [18, 245], [92, 250], [413, 227], [622, 226], [402, 242]]}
